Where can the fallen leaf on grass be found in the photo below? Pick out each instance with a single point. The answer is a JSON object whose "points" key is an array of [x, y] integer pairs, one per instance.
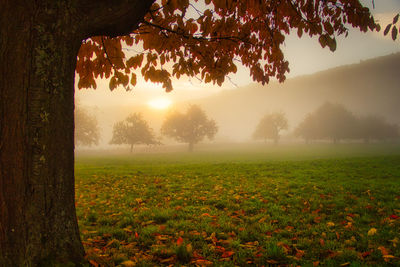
{"points": [[330, 224], [179, 241], [128, 264], [365, 254], [227, 254], [203, 262], [299, 253], [372, 231], [383, 250]]}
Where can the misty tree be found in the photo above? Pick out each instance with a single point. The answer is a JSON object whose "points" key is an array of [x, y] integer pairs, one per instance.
{"points": [[270, 126], [86, 127], [329, 121], [190, 127], [43, 43], [309, 128], [373, 127], [134, 130]]}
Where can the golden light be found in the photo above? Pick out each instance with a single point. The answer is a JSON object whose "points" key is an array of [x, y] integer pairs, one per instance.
{"points": [[159, 103]]}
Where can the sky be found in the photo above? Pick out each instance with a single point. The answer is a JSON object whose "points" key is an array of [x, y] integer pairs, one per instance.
{"points": [[305, 56]]}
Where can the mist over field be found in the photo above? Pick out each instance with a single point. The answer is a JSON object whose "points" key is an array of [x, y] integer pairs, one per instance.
{"points": [[370, 87]]}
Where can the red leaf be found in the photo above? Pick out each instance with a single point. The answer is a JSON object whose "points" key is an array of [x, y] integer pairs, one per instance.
{"points": [[136, 235], [394, 217], [95, 264], [365, 254], [227, 254], [179, 241]]}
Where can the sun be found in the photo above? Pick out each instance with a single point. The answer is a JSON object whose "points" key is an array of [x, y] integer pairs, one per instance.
{"points": [[159, 103]]}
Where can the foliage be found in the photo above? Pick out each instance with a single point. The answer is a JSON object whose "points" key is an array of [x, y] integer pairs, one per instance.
{"points": [[213, 209], [376, 128], [133, 130], [191, 127], [335, 122], [86, 129], [329, 121], [205, 38], [270, 126], [393, 28]]}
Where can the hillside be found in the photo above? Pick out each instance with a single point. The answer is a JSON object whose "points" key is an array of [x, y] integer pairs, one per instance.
{"points": [[370, 87]]}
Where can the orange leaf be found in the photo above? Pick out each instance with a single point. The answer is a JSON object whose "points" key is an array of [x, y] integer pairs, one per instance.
{"points": [[179, 241], [227, 254], [383, 250]]}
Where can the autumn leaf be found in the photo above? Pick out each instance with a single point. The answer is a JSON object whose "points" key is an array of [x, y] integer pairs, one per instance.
{"points": [[227, 254], [383, 250], [365, 254], [372, 231], [179, 241], [92, 262], [128, 263], [330, 224]]}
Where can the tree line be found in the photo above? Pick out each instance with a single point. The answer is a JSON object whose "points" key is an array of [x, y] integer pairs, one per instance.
{"points": [[328, 122], [190, 127]]}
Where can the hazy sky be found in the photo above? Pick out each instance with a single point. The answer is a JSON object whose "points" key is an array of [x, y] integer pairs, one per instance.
{"points": [[305, 56]]}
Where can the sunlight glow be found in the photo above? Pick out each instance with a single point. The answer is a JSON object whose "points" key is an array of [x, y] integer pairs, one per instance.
{"points": [[159, 103]]}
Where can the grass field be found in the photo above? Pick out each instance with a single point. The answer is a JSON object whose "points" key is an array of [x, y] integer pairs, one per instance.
{"points": [[326, 205]]}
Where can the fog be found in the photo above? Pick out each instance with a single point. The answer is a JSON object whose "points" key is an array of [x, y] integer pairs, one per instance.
{"points": [[370, 87], [362, 75]]}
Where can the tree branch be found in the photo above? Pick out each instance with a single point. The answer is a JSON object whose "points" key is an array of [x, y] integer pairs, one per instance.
{"points": [[111, 18]]}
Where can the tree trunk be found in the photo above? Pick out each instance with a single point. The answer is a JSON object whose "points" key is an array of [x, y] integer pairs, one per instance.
{"points": [[38, 223], [39, 43], [131, 148]]}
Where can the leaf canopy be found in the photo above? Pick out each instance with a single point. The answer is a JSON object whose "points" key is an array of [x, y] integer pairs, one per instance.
{"points": [[206, 39]]}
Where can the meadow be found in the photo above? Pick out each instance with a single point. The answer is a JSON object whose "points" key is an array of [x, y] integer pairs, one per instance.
{"points": [[262, 205]]}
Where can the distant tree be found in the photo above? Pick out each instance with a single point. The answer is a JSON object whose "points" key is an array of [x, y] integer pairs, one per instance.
{"points": [[376, 128], [308, 128], [134, 130], [190, 127], [87, 132], [329, 121], [270, 126]]}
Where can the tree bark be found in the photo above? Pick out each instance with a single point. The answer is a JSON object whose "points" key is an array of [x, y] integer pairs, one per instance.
{"points": [[38, 223], [39, 42]]}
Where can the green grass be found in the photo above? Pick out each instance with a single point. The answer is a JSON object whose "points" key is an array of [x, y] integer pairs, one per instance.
{"points": [[282, 205]]}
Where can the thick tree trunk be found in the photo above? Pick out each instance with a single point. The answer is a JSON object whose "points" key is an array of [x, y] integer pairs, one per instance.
{"points": [[38, 223], [39, 42]]}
